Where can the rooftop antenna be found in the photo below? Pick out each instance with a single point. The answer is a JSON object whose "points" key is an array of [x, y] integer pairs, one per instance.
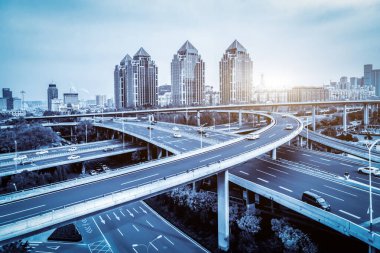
{"points": [[23, 99]]}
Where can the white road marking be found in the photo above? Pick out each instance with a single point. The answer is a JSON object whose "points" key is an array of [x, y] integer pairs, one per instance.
{"points": [[367, 180], [108, 216], [21, 211], [286, 189], [350, 214], [340, 190], [245, 173], [209, 158], [38, 251], [277, 170], [270, 136], [266, 173], [328, 195], [149, 223], [319, 162], [306, 155], [153, 175], [265, 181], [246, 146], [120, 232], [153, 245], [135, 210], [290, 150], [105, 239], [168, 240], [135, 228], [122, 213], [327, 160], [344, 164]]}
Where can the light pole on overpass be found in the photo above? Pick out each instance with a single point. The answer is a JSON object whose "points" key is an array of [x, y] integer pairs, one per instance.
{"points": [[122, 122], [370, 184], [16, 156]]}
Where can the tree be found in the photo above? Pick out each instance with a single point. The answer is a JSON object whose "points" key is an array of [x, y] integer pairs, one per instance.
{"points": [[15, 247], [249, 223]]}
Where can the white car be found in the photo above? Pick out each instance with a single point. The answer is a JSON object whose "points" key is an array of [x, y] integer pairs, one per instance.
{"points": [[72, 149], [177, 135], [41, 152], [253, 136], [366, 170], [93, 172], [175, 128], [289, 127], [19, 158], [72, 157]]}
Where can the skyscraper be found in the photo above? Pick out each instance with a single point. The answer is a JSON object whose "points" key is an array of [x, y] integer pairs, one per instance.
{"points": [[188, 76], [368, 75], [120, 82], [376, 80], [235, 73], [7, 94], [135, 81], [52, 92]]}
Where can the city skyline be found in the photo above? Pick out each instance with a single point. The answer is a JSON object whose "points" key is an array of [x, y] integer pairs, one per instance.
{"points": [[66, 42]]}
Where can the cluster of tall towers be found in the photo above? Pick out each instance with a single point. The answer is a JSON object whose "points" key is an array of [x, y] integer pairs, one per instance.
{"points": [[136, 85]]}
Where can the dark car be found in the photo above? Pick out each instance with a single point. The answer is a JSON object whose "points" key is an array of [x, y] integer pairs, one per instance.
{"points": [[315, 200]]}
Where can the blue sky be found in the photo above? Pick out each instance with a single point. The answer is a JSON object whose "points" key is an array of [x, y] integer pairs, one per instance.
{"points": [[76, 43]]}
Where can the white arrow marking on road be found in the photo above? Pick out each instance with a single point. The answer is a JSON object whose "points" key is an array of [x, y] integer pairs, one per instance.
{"points": [[117, 217], [153, 245], [149, 223], [120, 232], [108, 216], [53, 247], [143, 210], [101, 219], [135, 210], [136, 228], [168, 240], [121, 211], [131, 214]]}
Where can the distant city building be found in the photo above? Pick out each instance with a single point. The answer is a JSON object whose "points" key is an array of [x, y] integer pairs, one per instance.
{"points": [[270, 95], [17, 104], [3, 104], [308, 94], [376, 81], [235, 72], [135, 81], [70, 98], [7, 94], [211, 97], [353, 90], [187, 76], [52, 93], [110, 103], [56, 105], [101, 100], [368, 75], [164, 95]]}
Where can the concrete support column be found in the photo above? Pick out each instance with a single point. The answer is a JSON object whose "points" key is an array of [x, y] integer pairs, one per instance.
{"points": [[198, 118], [274, 154], [372, 249], [83, 168], [313, 118], [366, 115], [223, 211], [240, 118], [345, 118], [149, 151], [167, 153], [311, 145], [159, 152]]}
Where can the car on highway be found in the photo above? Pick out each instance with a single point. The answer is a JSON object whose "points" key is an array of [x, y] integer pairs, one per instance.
{"points": [[288, 127], [315, 200], [26, 161], [253, 136], [19, 158], [105, 168], [42, 152], [108, 149], [72, 157], [177, 135], [175, 128], [72, 149], [93, 173], [283, 115], [366, 170]]}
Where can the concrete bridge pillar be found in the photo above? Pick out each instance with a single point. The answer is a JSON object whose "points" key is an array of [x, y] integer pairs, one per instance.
{"points": [[159, 152], [149, 151], [198, 118], [313, 118], [167, 153], [83, 168], [366, 115], [274, 154], [240, 118], [223, 211], [372, 249], [345, 118]]}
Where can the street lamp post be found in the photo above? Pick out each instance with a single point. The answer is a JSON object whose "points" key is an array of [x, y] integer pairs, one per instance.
{"points": [[86, 133], [370, 184], [307, 133], [16, 156], [122, 122], [229, 122], [144, 245], [15, 186]]}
